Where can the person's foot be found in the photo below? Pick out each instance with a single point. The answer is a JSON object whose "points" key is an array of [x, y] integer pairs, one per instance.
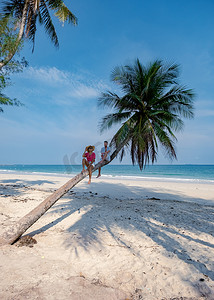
{"points": [[98, 175], [83, 170], [89, 181]]}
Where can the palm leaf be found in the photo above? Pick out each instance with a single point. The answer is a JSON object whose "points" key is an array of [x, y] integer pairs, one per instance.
{"points": [[62, 12], [44, 18], [113, 119], [13, 7]]}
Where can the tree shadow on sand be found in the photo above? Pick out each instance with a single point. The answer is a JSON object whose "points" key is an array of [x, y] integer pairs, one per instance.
{"points": [[181, 219], [14, 187], [22, 182]]}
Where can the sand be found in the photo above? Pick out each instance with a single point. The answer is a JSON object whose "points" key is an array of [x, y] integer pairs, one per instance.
{"points": [[115, 239]]}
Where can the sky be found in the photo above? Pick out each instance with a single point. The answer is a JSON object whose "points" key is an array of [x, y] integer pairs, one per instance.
{"points": [[60, 87]]}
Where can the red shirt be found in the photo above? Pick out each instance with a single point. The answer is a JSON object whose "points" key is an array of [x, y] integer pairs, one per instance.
{"points": [[90, 157]]}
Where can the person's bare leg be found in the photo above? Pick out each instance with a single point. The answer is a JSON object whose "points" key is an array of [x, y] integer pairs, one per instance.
{"points": [[84, 163], [99, 172], [90, 173]]}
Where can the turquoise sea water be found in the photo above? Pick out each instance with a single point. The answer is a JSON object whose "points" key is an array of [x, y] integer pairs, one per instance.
{"points": [[187, 172]]}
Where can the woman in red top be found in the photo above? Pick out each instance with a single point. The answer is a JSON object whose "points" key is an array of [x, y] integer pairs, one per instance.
{"points": [[88, 160]]}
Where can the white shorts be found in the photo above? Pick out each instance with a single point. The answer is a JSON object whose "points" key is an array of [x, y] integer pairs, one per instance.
{"points": [[92, 165]]}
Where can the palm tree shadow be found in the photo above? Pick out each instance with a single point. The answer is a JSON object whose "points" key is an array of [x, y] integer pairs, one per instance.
{"points": [[182, 219], [14, 187], [24, 182]]}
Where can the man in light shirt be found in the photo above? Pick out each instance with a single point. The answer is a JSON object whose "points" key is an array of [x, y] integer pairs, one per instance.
{"points": [[105, 156]]}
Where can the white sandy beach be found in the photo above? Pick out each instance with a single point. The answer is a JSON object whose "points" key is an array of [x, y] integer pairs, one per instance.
{"points": [[115, 239]]}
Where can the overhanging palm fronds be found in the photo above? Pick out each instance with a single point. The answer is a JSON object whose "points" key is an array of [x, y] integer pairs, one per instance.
{"points": [[151, 109], [39, 9], [30, 12]]}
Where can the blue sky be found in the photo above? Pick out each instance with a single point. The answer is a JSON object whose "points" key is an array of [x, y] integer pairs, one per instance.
{"points": [[60, 87]]}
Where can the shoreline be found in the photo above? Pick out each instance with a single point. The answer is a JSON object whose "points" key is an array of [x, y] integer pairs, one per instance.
{"points": [[116, 177], [181, 190]]}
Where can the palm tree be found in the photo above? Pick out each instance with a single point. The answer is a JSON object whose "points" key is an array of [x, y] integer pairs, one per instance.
{"points": [[29, 12], [150, 110]]}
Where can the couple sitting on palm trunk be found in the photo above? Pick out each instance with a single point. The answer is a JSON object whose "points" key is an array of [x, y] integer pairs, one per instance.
{"points": [[89, 159]]}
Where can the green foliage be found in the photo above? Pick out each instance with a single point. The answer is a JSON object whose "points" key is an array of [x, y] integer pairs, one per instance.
{"points": [[39, 11], [151, 109], [8, 37]]}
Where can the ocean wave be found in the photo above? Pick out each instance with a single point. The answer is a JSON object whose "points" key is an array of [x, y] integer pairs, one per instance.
{"points": [[196, 180], [112, 176], [36, 173]]}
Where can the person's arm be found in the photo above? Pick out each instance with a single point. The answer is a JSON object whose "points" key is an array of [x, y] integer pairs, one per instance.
{"points": [[107, 151], [84, 152], [104, 156]]}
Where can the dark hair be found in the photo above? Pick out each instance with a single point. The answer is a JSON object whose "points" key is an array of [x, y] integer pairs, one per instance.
{"points": [[105, 142]]}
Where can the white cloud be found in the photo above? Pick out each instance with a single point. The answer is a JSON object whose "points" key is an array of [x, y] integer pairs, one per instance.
{"points": [[46, 74], [81, 85], [83, 91]]}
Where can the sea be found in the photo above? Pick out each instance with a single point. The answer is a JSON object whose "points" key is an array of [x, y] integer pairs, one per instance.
{"points": [[199, 173]]}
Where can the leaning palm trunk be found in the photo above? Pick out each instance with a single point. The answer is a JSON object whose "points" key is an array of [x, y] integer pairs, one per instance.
{"points": [[16, 230], [19, 37]]}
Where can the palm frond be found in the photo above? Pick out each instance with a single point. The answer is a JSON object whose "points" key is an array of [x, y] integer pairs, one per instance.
{"points": [[179, 100], [113, 119], [13, 8], [125, 103], [166, 140], [122, 153], [30, 30], [44, 18], [108, 99], [121, 135], [123, 77], [167, 119], [62, 12]]}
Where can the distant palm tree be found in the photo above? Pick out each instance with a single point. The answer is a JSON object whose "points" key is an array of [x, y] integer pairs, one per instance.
{"points": [[150, 109], [28, 12]]}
